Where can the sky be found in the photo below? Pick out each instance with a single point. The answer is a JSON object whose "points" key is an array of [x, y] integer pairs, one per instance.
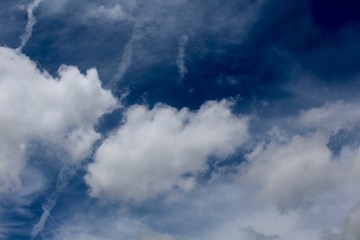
{"points": [[179, 120]]}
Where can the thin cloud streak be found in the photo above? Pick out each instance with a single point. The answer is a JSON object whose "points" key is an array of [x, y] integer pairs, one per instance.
{"points": [[127, 57], [65, 175], [180, 60], [47, 207], [30, 24]]}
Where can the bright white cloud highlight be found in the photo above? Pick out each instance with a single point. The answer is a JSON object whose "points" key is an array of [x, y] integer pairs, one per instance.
{"points": [[35, 106], [154, 148]]}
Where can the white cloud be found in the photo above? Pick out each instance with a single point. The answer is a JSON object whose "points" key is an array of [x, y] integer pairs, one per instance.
{"points": [[332, 116], [289, 173], [284, 173], [84, 225], [127, 56], [180, 60], [151, 151], [88, 225], [30, 23], [63, 178], [33, 105], [292, 171], [115, 13], [47, 207]]}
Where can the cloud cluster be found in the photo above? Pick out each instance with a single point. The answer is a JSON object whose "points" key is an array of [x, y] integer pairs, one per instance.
{"points": [[293, 170], [35, 106], [287, 179], [156, 150], [297, 183], [153, 150]]}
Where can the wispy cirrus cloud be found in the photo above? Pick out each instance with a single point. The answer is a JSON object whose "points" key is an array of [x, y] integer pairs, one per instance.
{"points": [[180, 60], [31, 21]]}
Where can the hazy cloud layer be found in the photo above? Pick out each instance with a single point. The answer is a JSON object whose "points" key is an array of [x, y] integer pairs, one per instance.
{"points": [[349, 230]]}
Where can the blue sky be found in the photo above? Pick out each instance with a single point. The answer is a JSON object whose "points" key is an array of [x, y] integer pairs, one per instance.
{"points": [[179, 120]]}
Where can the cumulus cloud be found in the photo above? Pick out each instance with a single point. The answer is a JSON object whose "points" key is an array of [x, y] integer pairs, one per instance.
{"points": [[293, 173], [61, 111], [293, 170], [296, 173], [152, 151]]}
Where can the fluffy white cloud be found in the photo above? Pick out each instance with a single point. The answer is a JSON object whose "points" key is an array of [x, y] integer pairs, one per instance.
{"points": [[292, 171], [287, 171], [35, 106], [154, 148]]}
